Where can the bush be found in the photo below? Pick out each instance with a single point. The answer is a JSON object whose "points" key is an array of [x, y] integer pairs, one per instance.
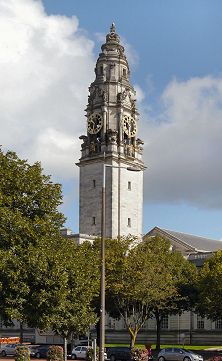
{"points": [[139, 354], [55, 353], [89, 354], [22, 353]]}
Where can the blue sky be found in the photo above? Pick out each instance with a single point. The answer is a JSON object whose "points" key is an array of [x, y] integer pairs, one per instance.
{"points": [[48, 53]]}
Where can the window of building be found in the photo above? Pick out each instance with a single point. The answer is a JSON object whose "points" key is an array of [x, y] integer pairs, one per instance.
{"points": [[165, 322], [101, 70], [129, 186], [112, 323], [93, 220], [129, 222], [94, 183], [200, 322], [124, 72], [218, 324]]}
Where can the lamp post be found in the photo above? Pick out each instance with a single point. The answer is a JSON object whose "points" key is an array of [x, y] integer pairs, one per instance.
{"points": [[102, 255]]}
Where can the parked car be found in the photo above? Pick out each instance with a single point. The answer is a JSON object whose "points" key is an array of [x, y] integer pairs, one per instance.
{"points": [[119, 353], [178, 354], [32, 350], [9, 349], [79, 352], [40, 351]]}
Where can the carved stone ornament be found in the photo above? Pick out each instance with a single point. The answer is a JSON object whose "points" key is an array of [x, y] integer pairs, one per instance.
{"points": [[112, 36], [92, 147], [122, 96], [95, 93], [112, 135]]}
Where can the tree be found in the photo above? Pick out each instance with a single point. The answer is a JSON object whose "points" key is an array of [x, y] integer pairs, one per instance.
{"points": [[143, 280], [77, 313], [63, 285], [210, 288], [177, 285], [29, 224], [46, 281]]}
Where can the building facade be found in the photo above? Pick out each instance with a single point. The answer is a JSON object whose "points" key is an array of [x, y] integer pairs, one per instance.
{"points": [[111, 149]]}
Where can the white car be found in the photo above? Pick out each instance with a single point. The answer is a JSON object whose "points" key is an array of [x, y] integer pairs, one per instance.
{"points": [[8, 349], [79, 352]]}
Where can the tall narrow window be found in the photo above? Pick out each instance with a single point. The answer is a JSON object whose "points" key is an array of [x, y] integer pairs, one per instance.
{"points": [[124, 72], [129, 222], [165, 322], [101, 70], [200, 322], [94, 183], [93, 220], [129, 186], [218, 324]]}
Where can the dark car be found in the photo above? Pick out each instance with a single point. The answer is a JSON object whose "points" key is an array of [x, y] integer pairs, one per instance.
{"points": [[119, 353], [41, 351]]}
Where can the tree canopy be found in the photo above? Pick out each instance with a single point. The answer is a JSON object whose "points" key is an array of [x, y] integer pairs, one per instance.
{"points": [[29, 223], [46, 281], [144, 280], [210, 288]]}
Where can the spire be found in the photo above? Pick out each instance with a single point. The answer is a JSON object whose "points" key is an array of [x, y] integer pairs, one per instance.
{"points": [[112, 28], [112, 36]]}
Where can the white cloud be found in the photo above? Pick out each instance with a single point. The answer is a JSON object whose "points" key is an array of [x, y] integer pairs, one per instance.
{"points": [[183, 146], [46, 64], [140, 96]]}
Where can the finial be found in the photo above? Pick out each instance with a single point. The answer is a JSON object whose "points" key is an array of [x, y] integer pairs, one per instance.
{"points": [[113, 28]]}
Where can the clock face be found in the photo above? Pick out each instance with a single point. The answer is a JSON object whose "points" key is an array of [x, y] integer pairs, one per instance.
{"points": [[94, 123], [129, 125]]}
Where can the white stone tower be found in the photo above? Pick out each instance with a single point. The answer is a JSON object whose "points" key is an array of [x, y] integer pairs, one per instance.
{"points": [[112, 124]]}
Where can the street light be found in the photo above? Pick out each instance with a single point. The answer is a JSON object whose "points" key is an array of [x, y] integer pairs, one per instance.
{"points": [[102, 255]]}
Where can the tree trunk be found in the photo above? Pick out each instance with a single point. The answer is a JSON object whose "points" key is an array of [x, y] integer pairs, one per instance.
{"points": [[65, 348], [133, 335], [158, 328], [21, 332]]}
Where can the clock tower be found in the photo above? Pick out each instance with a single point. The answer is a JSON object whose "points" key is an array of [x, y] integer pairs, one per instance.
{"points": [[111, 139]]}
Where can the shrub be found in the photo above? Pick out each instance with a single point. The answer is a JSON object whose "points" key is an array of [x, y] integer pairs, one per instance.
{"points": [[139, 354], [55, 353], [89, 354], [22, 353]]}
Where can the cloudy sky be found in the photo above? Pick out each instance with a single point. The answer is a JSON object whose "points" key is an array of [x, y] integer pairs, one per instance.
{"points": [[48, 51]]}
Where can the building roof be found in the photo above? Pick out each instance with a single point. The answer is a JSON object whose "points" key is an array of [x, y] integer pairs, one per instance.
{"points": [[195, 243], [198, 242]]}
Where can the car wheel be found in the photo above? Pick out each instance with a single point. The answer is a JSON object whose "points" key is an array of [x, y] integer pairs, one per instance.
{"points": [[112, 358], [186, 359], [161, 358], [3, 353], [74, 357], [38, 355]]}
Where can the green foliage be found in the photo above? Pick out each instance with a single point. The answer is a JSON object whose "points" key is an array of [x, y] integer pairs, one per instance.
{"points": [[210, 288], [76, 313], [55, 353], [22, 353], [89, 354], [46, 281], [144, 280], [29, 230]]}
